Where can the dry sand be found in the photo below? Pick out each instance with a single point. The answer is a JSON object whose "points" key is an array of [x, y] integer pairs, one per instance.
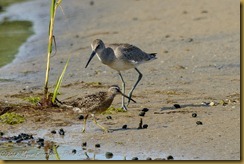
{"points": [[198, 51]]}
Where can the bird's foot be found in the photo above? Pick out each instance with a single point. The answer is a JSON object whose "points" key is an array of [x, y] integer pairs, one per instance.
{"points": [[124, 107]]}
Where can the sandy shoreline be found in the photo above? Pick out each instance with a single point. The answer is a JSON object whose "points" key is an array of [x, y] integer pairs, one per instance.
{"points": [[198, 46]]}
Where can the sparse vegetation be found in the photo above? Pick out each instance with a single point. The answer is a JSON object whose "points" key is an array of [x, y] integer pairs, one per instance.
{"points": [[11, 118]]}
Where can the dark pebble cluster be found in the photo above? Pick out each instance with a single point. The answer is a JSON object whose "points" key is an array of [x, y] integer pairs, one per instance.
{"points": [[61, 131], [143, 112], [40, 142], [19, 138]]}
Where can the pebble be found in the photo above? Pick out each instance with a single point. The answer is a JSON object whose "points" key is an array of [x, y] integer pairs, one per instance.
{"points": [[53, 132], [1, 133], [109, 117], [199, 123], [109, 155], [145, 110], [61, 131], [81, 117], [97, 145], [84, 144], [134, 158], [189, 40], [142, 113], [177, 106], [40, 142], [194, 115], [91, 3], [74, 151], [170, 157], [124, 127], [144, 126], [149, 158]]}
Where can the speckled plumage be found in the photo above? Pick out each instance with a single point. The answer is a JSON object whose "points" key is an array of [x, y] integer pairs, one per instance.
{"points": [[96, 103]]}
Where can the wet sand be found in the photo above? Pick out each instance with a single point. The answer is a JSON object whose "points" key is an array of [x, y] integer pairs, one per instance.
{"points": [[198, 50]]}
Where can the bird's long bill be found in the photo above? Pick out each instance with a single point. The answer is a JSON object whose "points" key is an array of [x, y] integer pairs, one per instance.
{"points": [[127, 97], [92, 55]]}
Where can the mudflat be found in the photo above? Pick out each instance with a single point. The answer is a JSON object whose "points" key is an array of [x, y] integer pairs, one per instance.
{"points": [[197, 67]]}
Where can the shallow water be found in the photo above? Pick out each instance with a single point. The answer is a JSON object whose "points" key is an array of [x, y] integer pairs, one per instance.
{"points": [[24, 152]]}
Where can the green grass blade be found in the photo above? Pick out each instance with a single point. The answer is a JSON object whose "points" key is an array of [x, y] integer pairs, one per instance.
{"points": [[59, 81], [56, 152]]}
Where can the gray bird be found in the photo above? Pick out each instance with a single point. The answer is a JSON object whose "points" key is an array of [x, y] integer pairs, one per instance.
{"points": [[121, 57]]}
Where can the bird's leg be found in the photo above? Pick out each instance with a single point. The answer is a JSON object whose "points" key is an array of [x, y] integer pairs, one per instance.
{"points": [[123, 91], [95, 121], [85, 118], [131, 91]]}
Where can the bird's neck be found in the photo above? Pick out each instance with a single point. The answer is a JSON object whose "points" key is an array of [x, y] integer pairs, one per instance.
{"points": [[106, 56]]}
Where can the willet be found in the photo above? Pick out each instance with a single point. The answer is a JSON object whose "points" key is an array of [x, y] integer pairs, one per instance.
{"points": [[96, 104], [121, 57]]}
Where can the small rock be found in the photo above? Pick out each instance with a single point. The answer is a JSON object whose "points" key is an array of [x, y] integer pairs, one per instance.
{"points": [[84, 144], [1, 133], [40, 142], [124, 127], [109, 117], [53, 132], [109, 155], [19, 140], [142, 113], [194, 115], [177, 106], [91, 3], [74, 151], [199, 123], [189, 40], [97, 145], [170, 157], [145, 110], [144, 126], [149, 158], [134, 158], [212, 103], [81, 117], [61, 132], [167, 36]]}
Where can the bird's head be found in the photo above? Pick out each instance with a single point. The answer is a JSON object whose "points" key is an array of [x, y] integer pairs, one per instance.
{"points": [[115, 90], [97, 46]]}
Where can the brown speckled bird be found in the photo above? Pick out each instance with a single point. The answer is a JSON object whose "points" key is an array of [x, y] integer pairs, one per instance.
{"points": [[97, 103]]}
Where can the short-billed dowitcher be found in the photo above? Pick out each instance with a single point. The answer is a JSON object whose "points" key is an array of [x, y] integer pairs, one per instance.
{"points": [[121, 57], [97, 103]]}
